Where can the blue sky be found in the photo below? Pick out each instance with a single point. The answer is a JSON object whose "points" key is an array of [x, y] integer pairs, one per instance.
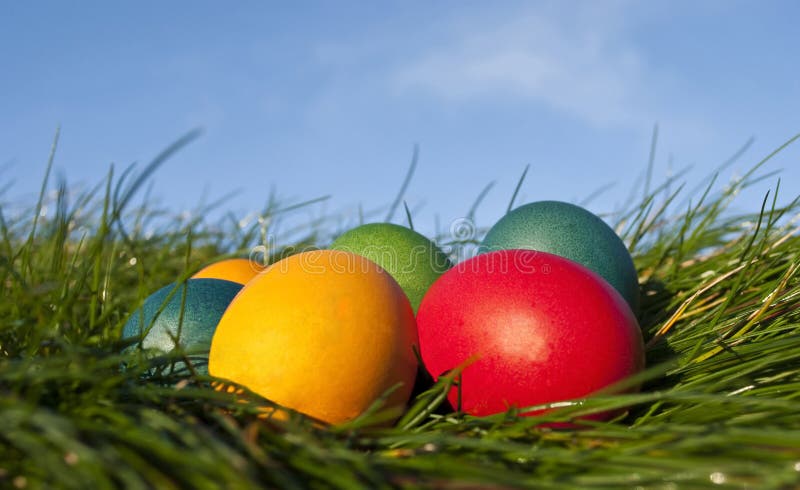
{"points": [[330, 97]]}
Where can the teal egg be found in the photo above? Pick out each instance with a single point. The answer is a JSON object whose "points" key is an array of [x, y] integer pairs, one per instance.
{"points": [[572, 232], [205, 302], [413, 260]]}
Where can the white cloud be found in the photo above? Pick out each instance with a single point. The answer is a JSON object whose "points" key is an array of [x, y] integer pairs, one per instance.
{"points": [[573, 58]]}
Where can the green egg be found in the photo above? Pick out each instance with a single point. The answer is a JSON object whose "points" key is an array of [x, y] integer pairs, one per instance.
{"points": [[413, 260], [205, 302], [572, 232]]}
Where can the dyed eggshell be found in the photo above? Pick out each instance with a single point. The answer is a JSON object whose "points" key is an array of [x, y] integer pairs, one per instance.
{"points": [[234, 270], [324, 332], [539, 328], [205, 302], [413, 260], [569, 231]]}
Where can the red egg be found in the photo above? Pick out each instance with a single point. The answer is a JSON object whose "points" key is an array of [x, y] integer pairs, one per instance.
{"points": [[539, 328]]}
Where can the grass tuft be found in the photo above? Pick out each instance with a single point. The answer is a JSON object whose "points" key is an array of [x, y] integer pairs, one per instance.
{"points": [[718, 405]]}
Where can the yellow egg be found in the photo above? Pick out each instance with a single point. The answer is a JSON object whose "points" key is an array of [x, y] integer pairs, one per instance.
{"points": [[324, 332], [235, 270]]}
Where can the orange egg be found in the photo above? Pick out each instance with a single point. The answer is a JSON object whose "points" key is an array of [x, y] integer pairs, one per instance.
{"points": [[324, 332], [236, 270]]}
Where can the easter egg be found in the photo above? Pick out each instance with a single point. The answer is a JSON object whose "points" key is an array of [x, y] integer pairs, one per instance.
{"points": [[324, 332], [569, 231], [235, 270], [413, 260], [531, 327], [190, 314]]}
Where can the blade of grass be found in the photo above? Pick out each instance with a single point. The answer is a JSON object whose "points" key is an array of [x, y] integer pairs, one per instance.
{"points": [[404, 186]]}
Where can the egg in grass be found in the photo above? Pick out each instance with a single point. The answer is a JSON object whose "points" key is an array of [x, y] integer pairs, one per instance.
{"points": [[326, 333]]}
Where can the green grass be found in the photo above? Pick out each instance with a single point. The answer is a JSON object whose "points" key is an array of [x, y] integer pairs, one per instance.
{"points": [[719, 406]]}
